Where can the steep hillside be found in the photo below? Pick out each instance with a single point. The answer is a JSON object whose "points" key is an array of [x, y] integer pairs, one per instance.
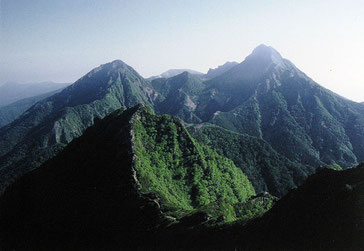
{"points": [[267, 96], [184, 173], [267, 170], [128, 176], [53, 122]]}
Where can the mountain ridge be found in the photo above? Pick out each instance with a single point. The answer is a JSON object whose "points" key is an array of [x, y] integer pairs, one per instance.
{"points": [[52, 123], [126, 177], [100, 164], [265, 96]]}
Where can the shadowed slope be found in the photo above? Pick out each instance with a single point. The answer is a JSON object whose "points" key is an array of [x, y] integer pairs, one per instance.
{"points": [[117, 185]]}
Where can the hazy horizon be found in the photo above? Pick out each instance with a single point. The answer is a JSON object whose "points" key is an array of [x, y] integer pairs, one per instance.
{"points": [[61, 41]]}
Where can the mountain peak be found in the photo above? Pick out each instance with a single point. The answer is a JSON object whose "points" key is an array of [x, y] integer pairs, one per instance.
{"points": [[267, 52], [116, 64], [262, 59], [263, 47]]}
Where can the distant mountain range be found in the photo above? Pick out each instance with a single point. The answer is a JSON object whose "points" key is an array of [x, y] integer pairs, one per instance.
{"points": [[12, 92], [10, 112], [210, 74], [174, 72]]}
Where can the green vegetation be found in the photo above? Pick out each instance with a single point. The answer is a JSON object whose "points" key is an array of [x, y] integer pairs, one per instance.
{"points": [[185, 174], [274, 100], [48, 126], [266, 169], [335, 167], [322, 214], [254, 207], [265, 97], [135, 179], [144, 172]]}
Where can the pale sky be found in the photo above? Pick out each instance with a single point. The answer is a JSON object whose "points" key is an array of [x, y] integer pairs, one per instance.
{"points": [[62, 40]]}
